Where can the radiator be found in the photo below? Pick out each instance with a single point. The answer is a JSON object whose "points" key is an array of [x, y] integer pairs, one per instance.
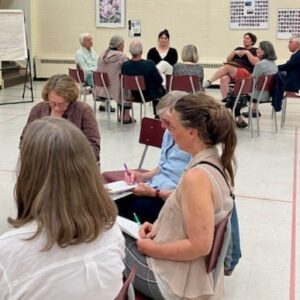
{"points": [[47, 67], [210, 68]]}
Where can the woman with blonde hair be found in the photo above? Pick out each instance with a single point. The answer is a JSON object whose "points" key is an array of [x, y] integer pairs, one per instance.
{"points": [[60, 95], [189, 64], [171, 254], [65, 243]]}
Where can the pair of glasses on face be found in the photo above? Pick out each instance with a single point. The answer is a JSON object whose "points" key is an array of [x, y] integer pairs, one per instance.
{"points": [[59, 105]]}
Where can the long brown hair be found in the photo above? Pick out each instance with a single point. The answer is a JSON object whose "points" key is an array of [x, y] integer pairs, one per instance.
{"points": [[214, 123], [59, 185]]}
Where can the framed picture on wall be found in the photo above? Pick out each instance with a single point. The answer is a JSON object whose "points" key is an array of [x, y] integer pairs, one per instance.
{"points": [[110, 13]]}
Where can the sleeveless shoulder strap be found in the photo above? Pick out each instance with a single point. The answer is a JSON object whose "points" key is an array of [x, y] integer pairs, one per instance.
{"points": [[220, 171]]}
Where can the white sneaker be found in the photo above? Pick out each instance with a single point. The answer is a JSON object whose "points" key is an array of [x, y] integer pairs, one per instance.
{"points": [[206, 84]]}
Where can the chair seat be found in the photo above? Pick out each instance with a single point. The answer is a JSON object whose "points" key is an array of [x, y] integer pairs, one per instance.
{"points": [[112, 176]]}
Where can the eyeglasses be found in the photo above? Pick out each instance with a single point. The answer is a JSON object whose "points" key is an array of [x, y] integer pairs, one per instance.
{"points": [[59, 105]]}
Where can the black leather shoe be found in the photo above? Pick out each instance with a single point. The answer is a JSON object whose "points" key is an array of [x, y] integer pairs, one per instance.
{"points": [[246, 114]]}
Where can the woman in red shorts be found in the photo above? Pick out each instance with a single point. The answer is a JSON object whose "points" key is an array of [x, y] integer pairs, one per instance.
{"points": [[239, 64]]}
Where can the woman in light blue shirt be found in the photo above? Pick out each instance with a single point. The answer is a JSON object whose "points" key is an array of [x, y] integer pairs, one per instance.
{"points": [[155, 185]]}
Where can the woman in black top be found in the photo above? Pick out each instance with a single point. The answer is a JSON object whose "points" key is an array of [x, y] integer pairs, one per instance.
{"points": [[163, 51]]}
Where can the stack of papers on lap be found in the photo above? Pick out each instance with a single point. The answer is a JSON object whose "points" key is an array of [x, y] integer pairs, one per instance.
{"points": [[129, 227], [119, 187]]}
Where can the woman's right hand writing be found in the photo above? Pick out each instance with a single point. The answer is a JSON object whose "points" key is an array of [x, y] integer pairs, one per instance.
{"points": [[129, 177], [145, 231]]}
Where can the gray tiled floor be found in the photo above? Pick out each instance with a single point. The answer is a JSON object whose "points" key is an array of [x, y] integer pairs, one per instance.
{"points": [[267, 188]]}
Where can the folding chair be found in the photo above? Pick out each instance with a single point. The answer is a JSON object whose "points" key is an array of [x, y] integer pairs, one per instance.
{"points": [[186, 83], [127, 291], [294, 95], [215, 259], [133, 83], [101, 80], [78, 76], [264, 83], [151, 134], [243, 86]]}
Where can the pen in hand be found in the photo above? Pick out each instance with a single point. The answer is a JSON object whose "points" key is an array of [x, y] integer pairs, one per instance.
{"points": [[130, 175], [126, 170], [136, 218]]}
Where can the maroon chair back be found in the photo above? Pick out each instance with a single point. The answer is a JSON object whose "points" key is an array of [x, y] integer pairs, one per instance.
{"points": [[151, 133], [133, 82], [264, 83], [75, 75], [101, 79], [243, 86], [186, 83], [212, 258]]}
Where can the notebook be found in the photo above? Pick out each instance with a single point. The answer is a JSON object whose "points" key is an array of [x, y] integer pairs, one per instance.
{"points": [[119, 187], [129, 227]]}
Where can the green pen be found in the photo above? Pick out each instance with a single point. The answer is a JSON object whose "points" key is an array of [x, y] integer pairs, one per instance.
{"points": [[136, 218]]}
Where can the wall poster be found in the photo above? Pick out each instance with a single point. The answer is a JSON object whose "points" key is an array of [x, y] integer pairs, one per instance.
{"points": [[110, 13], [288, 23], [249, 14]]}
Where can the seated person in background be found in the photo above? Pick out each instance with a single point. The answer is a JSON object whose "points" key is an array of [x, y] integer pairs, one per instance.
{"points": [[60, 95], [240, 64], [266, 66], [65, 219], [156, 185], [292, 66], [170, 256], [110, 62], [189, 64], [86, 57], [138, 66], [164, 56], [86, 60]]}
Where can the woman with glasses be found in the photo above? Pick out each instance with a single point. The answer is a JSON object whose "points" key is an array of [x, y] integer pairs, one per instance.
{"points": [[60, 95]]}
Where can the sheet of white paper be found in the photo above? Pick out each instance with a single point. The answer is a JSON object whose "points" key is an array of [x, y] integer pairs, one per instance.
{"points": [[129, 227], [119, 187]]}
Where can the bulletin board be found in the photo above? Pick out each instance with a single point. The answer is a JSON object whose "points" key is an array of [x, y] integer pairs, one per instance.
{"points": [[249, 14], [288, 23]]}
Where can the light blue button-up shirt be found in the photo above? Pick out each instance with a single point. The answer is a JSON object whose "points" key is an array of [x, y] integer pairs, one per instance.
{"points": [[87, 61], [172, 163]]}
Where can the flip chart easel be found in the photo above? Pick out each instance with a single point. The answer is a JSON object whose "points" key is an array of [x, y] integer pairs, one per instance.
{"points": [[13, 45]]}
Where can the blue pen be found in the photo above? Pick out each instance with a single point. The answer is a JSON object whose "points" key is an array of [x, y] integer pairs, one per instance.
{"points": [[126, 170]]}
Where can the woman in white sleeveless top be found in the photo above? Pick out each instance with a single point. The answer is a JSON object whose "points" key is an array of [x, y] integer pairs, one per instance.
{"points": [[170, 256]]}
